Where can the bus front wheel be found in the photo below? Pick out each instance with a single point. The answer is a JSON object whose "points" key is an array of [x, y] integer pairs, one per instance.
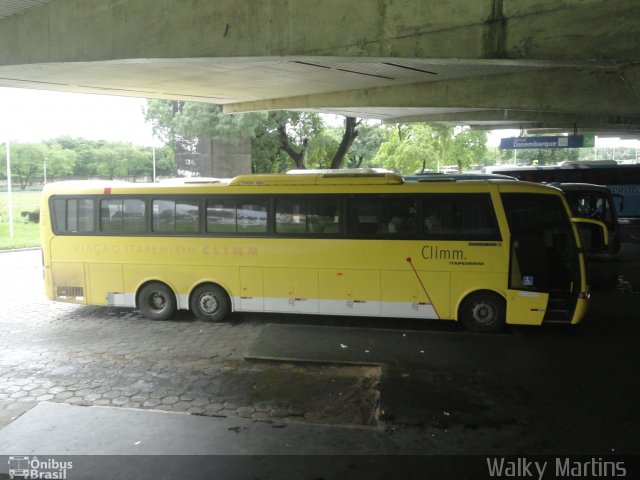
{"points": [[483, 312], [210, 303], [156, 301]]}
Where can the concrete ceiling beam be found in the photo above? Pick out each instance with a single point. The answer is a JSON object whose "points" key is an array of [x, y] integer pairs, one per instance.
{"points": [[387, 59], [518, 117], [575, 92], [80, 31]]}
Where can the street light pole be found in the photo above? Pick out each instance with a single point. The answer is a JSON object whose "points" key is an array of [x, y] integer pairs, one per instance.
{"points": [[154, 164], [45, 170], [9, 199]]}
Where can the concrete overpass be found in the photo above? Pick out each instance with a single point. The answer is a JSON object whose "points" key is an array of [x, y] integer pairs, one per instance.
{"points": [[532, 64]]}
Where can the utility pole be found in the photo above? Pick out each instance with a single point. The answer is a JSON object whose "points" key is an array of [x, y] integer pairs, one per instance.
{"points": [[9, 199]]}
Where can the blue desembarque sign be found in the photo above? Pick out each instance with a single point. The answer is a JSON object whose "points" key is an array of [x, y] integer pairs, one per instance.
{"points": [[528, 143]]}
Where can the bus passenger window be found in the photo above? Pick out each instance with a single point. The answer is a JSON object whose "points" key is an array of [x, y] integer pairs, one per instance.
{"points": [[187, 217], [363, 216], [438, 215], [459, 217], [381, 216], [73, 215], [401, 215], [323, 216], [175, 216], [85, 215], [122, 215], [221, 216], [430, 222], [252, 217], [291, 216]]}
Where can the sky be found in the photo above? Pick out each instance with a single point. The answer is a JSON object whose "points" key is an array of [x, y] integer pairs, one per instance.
{"points": [[35, 115]]}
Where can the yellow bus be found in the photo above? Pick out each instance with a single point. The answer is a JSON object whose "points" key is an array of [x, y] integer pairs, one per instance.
{"points": [[484, 253]]}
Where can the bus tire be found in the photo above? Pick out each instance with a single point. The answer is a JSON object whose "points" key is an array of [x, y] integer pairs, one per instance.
{"points": [[156, 301], [483, 311], [210, 303]]}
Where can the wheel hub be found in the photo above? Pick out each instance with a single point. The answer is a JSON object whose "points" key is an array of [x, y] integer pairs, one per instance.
{"points": [[158, 301], [483, 313], [208, 303]]}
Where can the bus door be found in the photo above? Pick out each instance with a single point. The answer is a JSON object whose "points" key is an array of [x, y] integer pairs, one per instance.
{"points": [[543, 255]]}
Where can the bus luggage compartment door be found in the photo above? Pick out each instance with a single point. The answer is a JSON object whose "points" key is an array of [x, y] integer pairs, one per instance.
{"points": [[416, 294], [251, 290], [291, 290]]}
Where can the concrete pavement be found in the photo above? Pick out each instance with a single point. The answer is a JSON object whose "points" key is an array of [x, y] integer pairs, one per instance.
{"points": [[430, 389]]}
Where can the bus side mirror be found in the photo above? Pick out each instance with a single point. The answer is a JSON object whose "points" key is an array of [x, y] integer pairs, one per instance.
{"points": [[619, 199], [593, 233]]}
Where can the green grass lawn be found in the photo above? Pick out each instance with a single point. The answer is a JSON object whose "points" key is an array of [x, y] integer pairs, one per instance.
{"points": [[25, 234]]}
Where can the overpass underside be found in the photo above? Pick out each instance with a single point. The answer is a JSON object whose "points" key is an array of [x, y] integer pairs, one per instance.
{"points": [[530, 64]]}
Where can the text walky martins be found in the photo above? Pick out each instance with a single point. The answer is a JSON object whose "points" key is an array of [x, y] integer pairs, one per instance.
{"points": [[562, 467]]}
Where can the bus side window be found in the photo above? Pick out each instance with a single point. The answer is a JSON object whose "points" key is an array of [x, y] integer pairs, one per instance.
{"points": [[291, 216], [429, 221], [459, 217], [252, 217], [382, 216], [438, 214], [363, 216], [180, 216], [122, 215], [221, 216], [323, 216], [401, 215], [73, 215]]}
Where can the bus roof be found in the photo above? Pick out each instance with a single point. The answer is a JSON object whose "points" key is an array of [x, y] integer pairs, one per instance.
{"points": [[325, 178], [565, 165], [454, 177], [580, 187]]}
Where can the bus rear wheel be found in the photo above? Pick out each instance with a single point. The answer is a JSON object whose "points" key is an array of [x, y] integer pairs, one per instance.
{"points": [[156, 301], [483, 312], [210, 303]]}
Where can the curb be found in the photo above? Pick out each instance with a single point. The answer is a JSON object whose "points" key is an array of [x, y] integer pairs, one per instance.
{"points": [[26, 249]]}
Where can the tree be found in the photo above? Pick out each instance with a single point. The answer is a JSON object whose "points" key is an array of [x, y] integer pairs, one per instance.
{"points": [[109, 164], [421, 147], [136, 162], [349, 135], [294, 130], [280, 139], [301, 134], [60, 161], [27, 161], [407, 148], [182, 125], [365, 146], [165, 161], [469, 148]]}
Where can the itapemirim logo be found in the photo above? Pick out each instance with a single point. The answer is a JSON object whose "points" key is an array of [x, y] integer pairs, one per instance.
{"points": [[25, 467]]}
